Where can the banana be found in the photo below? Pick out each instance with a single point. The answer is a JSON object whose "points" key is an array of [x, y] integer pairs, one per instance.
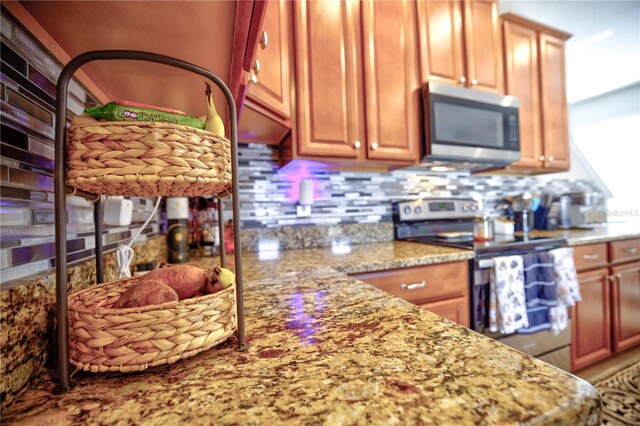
{"points": [[213, 123]]}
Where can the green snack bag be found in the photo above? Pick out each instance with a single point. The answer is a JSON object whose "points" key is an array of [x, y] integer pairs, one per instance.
{"points": [[114, 111]]}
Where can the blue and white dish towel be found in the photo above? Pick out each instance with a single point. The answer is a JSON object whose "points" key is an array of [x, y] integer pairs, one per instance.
{"points": [[540, 292]]}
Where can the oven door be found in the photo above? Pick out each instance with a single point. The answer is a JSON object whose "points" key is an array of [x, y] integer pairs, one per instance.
{"points": [[544, 345], [469, 125]]}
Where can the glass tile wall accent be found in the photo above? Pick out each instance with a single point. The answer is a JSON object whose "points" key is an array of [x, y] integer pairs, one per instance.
{"points": [[268, 194], [27, 120]]}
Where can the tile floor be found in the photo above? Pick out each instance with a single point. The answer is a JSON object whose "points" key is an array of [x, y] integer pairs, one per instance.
{"points": [[595, 370]]}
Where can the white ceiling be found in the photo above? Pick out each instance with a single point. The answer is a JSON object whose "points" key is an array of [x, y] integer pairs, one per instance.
{"points": [[604, 53]]}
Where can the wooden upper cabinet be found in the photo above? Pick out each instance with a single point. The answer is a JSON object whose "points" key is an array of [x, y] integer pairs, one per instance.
{"points": [[329, 108], [625, 301], [554, 102], [441, 49], [270, 80], [535, 74], [483, 45], [522, 81], [591, 320], [460, 43], [391, 80]]}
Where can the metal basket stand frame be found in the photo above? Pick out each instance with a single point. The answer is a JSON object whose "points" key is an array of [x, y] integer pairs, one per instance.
{"points": [[60, 177]]}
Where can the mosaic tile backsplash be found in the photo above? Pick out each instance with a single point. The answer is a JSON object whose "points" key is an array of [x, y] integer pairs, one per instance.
{"points": [[27, 119], [268, 194]]}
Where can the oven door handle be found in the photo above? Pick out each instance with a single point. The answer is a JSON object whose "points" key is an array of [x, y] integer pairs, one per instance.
{"points": [[486, 263], [413, 286]]}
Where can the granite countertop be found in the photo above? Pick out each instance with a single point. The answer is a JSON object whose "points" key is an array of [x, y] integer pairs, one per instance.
{"points": [[348, 259], [325, 348], [598, 234]]}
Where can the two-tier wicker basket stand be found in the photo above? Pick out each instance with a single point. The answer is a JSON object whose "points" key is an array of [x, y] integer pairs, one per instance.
{"points": [[60, 177]]}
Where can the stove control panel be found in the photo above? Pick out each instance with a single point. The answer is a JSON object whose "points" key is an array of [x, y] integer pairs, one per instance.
{"points": [[436, 208]]}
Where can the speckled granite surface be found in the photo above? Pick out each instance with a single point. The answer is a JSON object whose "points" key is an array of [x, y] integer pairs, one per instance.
{"points": [[27, 316], [600, 234], [306, 237], [344, 258], [327, 349]]}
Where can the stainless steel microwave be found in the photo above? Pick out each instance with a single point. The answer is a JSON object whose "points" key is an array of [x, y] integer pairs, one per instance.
{"points": [[468, 129]]}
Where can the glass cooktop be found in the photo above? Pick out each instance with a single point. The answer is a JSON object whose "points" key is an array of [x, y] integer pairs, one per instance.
{"points": [[501, 244]]}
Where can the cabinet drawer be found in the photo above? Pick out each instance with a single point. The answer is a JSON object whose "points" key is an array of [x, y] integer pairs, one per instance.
{"points": [[591, 256], [624, 251], [456, 310], [423, 283]]}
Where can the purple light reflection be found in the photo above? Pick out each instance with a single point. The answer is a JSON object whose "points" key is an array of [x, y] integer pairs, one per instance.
{"points": [[298, 170], [303, 325]]}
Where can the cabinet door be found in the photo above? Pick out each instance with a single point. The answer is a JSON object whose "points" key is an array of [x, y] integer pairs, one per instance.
{"points": [[554, 103], [327, 76], [625, 303], [591, 338], [522, 79], [456, 310], [483, 45], [391, 80], [270, 86], [440, 29]]}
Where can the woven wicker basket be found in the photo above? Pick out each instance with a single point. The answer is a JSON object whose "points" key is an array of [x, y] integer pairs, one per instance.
{"points": [[147, 159], [134, 339]]}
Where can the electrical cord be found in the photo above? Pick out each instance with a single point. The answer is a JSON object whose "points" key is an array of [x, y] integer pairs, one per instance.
{"points": [[124, 253]]}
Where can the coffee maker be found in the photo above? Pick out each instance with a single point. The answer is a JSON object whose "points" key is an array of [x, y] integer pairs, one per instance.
{"points": [[586, 209]]}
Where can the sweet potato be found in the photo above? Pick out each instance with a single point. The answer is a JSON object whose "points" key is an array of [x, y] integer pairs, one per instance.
{"points": [[186, 280], [146, 292]]}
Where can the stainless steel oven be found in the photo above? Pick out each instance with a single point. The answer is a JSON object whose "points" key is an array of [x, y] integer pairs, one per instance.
{"points": [[449, 222], [553, 349], [466, 126]]}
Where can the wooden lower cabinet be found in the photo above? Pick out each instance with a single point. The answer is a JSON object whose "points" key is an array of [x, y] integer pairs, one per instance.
{"points": [[625, 297], [441, 288], [591, 320], [456, 310], [607, 320]]}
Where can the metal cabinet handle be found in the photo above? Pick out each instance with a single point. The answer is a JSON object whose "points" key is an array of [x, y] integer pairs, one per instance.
{"points": [[589, 256], [462, 80], [474, 82], [264, 40], [357, 144], [256, 66], [541, 158], [615, 277], [253, 78], [374, 146], [550, 158], [631, 250], [413, 286]]}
